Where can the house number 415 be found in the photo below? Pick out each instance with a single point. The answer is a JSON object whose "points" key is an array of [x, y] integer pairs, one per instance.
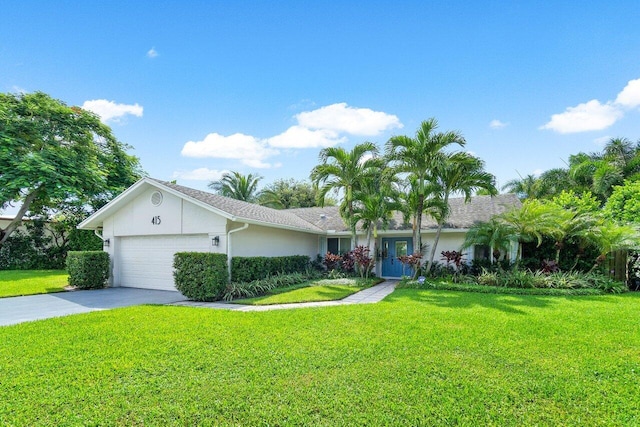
{"points": [[156, 220]]}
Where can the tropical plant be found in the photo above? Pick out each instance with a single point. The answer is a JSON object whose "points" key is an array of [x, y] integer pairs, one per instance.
{"points": [[289, 193], [495, 234], [346, 171], [609, 237], [525, 187], [418, 158], [237, 186], [457, 173]]}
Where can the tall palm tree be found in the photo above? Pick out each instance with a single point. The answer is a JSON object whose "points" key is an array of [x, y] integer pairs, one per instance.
{"points": [[458, 173], [417, 157], [237, 186], [375, 203], [347, 171]]}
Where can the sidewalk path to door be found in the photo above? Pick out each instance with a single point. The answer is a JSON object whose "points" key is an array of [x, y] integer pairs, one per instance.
{"points": [[367, 296]]}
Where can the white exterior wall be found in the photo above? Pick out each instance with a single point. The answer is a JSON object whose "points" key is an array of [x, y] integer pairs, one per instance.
{"points": [[266, 241], [177, 218]]}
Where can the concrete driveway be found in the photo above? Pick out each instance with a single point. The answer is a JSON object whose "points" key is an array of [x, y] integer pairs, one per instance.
{"points": [[35, 307]]}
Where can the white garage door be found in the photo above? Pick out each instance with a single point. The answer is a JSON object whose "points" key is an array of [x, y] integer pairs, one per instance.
{"points": [[147, 261]]}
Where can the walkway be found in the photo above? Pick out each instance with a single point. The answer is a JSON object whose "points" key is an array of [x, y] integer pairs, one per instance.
{"points": [[367, 296]]}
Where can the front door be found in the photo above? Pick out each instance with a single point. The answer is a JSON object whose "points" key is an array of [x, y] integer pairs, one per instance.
{"points": [[392, 248]]}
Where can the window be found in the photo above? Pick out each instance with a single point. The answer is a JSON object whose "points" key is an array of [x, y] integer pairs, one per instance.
{"points": [[481, 252], [339, 245]]}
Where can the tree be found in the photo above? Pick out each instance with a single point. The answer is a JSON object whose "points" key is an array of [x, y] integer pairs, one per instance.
{"points": [[524, 188], [52, 154], [623, 205], [237, 186], [375, 203], [457, 173], [418, 157], [347, 171], [289, 193], [494, 234]]}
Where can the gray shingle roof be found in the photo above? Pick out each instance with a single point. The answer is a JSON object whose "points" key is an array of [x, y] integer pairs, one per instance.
{"points": [[463, 215], [243, 210]]}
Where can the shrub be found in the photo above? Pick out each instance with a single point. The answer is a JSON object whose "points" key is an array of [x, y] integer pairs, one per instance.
{"points": [[259, 287], [248, 269], [88, 270], [200, 276]]}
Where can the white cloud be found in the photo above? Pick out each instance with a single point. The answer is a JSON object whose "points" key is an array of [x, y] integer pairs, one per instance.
{"points": [[110, 111], [602, 141], [342, 118], [152, 53], [302, 137], [200, 174], [538, 172], [630, 95], [589, 116], [594, 115], [497, 124], [246, 148]]}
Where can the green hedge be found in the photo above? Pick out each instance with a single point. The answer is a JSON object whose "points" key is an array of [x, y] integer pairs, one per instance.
{"points": [[88, 270], [248, 269], [200, 276]]}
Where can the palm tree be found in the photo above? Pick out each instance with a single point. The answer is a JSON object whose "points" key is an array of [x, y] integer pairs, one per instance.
{"points": [[347, 171], [524, 188], [237, 186], [532, 221], [375, 203], [418, 157], [609, 237], [458, 173], [494, 233]]}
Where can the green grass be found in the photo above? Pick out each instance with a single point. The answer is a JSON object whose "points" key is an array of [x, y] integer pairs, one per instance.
{"points": [[421, 357], [317, 290], [30, 282]]}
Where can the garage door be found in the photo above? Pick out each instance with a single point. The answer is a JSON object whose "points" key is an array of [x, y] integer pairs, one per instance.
{"points": [[147, 261]]}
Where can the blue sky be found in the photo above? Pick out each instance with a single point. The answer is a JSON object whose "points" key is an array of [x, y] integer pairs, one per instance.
{"points": [[203, 87]]}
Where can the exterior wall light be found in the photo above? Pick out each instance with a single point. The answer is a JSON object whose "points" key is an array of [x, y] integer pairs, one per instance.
{"points": [[106, 242], [215, 241]]}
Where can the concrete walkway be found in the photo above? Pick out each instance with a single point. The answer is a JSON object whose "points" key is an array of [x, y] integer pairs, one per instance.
{"points": [[367, 296], [36, 307]]}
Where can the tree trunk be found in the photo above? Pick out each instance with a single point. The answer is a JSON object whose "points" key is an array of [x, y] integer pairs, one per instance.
{"points": [[417, 240], [435, 245], [17, 220]]}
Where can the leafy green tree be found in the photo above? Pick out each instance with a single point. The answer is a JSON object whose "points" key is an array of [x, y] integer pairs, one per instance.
{"points": [[459, 173], [237, 186], [289, 193], [52, 154], [624, 203], [494, 234], [346, 171], [418, 158]]}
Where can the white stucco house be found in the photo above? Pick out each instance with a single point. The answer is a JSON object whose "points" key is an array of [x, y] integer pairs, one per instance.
{"points": [[148, 223]]}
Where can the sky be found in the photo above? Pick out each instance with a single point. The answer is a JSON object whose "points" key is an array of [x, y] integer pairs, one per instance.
{"points": [[198, 88]]}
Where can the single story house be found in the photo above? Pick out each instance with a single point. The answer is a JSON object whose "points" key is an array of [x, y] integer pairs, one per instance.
{"points": [[149, 222]]}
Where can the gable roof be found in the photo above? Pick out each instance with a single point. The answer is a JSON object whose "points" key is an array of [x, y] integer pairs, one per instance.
{"points": [[312, 220]]}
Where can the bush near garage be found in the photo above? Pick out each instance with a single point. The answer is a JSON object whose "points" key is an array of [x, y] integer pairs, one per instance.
{"points": [[248, 269], [200, 276], [88, 269]]}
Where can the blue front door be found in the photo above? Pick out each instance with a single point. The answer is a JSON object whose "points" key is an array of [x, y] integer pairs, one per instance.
{"points": [[392, 248]]}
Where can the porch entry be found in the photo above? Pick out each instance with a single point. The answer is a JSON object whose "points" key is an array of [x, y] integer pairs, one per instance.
{"points": [[392, 248]]}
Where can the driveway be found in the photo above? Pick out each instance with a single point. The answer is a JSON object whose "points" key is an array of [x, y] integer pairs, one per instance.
{"points": [[35, 307]]}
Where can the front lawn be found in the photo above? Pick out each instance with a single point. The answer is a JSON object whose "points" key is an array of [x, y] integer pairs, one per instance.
{"points": [[421, 357], [317, 290], [30, 282]]}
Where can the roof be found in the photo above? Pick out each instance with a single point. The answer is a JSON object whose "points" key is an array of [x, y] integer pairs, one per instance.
{"points": [[313, 220], [462, 215]]}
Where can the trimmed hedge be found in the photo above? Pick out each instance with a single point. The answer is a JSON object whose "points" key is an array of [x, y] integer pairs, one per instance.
{"points": [[200, 276], [88, 269], [248, 269]]}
